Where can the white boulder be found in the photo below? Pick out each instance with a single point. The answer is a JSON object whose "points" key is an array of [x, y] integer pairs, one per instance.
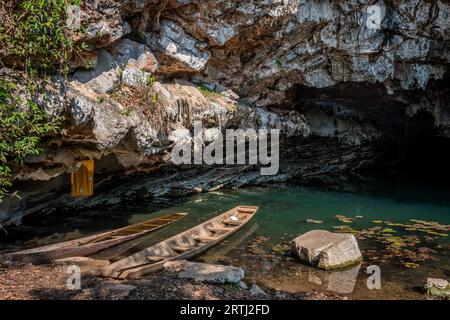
{"points": [[327, 250]]}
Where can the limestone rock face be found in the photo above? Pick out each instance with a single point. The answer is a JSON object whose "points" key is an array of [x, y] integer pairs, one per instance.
{"points": [[313, 69], [174, 42], [327, 250]]}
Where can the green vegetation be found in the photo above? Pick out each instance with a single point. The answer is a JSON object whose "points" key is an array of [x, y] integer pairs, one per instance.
{"points": [[22, 124], [126, 112], [101, 99], [34, 38], [207, 92], [34, 33]]}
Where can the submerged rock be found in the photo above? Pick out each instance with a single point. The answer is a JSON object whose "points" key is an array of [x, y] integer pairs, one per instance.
{"points": [[327, 250], [438, 287], [205, 272]]}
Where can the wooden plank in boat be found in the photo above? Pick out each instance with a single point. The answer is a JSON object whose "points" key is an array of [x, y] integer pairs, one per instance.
{"points": [[220, 229], [204, 239], [154, 258], [181, 248], [245, 210]]}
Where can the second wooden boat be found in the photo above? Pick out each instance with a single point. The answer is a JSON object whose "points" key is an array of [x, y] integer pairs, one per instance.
{"points": [[182, 246], [92, 244]]}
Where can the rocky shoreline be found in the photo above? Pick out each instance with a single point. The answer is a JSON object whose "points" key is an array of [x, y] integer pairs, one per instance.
{"points": [[297, 275], [29, 282]]}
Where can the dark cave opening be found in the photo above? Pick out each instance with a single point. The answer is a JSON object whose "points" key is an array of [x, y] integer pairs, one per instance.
{"points": [[410, 145]]}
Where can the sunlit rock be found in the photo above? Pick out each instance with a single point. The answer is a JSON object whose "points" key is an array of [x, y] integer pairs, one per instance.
{"points": [[327, 250], [174, 42]]}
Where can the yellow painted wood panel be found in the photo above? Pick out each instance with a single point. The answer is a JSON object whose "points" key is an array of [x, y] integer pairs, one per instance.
{"points": [[83, 180]]}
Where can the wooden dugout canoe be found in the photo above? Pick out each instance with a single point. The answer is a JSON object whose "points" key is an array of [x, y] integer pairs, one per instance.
{"points": [[185, 245], [92, 244]]}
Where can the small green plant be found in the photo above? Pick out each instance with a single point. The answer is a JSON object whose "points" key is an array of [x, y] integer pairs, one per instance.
{"points": [[120, 70], [101, 99], [127, 112], [154, 98], [151, 80], [207, 92], [233, 287], [278, 62]]}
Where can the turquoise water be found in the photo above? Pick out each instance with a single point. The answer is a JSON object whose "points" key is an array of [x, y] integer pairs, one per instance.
{"points": [[281, 217], [284, 209]]}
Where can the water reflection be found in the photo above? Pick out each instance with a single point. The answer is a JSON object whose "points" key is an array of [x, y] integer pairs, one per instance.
{"points": [[339, 281]]}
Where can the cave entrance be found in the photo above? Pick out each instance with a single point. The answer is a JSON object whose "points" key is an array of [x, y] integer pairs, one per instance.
{"points": [[407, 144]]}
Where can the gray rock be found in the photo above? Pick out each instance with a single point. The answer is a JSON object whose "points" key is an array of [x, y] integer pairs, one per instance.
{"points": [[135, 59], [104, 78], [327, 250], [134, 77], [242, 285], [81, 109], [105, 62], [128, 52], [280, 295], [205, 272], [292, 124], [119, 291], [51, 96], [174, 42], [219, 32], [437, 287], [256, 291], [104, 29]]}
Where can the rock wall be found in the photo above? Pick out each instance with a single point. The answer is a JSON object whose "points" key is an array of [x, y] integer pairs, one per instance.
{"points": [[318, 70]]}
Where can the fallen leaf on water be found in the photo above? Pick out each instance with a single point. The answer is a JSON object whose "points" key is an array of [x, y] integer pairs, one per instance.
{"points": [[344, 219], [411, 265], [314, 221]]}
